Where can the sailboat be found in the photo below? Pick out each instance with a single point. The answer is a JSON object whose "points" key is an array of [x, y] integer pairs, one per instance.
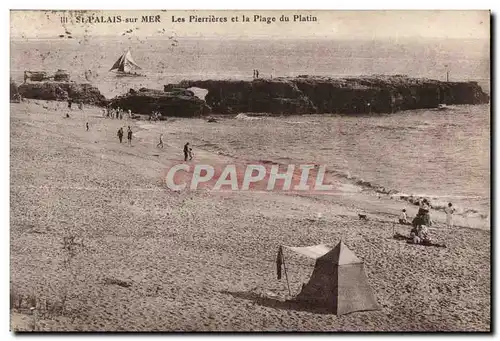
{"points": [[124, 66]]}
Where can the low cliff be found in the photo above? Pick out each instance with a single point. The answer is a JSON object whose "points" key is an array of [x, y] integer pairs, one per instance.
{"points": [[62, 91], [261, 95], [178, 102], [307, 94]]}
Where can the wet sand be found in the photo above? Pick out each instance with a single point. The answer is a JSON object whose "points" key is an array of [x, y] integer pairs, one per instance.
{"points": [[154, 259]]}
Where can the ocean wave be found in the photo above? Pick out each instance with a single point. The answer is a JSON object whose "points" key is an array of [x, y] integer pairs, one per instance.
{"points": [[436, 203]]}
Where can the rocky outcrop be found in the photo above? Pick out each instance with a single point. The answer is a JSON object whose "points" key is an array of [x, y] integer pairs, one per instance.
{"points": [[279, 96], [62, 91], [307, 94], [61, 76], [178, 102]]}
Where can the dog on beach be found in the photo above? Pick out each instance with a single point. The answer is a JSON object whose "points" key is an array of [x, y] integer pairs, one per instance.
{"points": [[363, 217]]}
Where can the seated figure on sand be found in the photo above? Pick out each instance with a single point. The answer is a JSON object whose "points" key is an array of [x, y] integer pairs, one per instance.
{"points": [[420, 235], [403, 219], [423, 217]]}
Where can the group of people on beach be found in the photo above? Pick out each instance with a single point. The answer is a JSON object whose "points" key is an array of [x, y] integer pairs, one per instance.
{"points": [[419, 233], [188, 151], [70, 104], [117, 113], [155, 116]]}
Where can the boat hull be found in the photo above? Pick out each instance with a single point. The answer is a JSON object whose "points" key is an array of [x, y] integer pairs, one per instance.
{"points": [[125, 74]]}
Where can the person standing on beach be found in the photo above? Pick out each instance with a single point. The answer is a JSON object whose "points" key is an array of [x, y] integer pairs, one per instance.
{"points": [[256, 73], [160, 145], [449, 215], [120, 134], [129, 136], [87, 126], [70, 102], [186, 151]]}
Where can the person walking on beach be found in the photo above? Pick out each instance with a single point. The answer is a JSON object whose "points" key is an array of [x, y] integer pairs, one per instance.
{"points": [[186, 151], [129, 136], [120, 134], [190, 154], [449, 215], [160, 145], [87, 126], [70, 102]]}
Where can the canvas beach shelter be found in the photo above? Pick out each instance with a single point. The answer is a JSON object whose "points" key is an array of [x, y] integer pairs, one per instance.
{"points": [[338, 281]]}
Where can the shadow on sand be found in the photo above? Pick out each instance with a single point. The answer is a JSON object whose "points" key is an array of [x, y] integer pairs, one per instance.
{"points": [[276, 303]]}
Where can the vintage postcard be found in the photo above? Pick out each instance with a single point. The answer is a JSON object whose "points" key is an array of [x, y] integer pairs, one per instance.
{"points": [[250, 171]]}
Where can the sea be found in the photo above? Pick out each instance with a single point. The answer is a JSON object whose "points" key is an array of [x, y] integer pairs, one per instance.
{"points": [[444, 155]]}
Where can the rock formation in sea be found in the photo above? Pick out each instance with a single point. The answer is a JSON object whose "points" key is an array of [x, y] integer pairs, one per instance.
{"points": [[313, 94], [279, 96], [62, 91], [177, 102]]}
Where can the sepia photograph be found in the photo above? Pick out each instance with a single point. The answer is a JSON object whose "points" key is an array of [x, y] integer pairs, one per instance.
{"points": [[250, 171]]}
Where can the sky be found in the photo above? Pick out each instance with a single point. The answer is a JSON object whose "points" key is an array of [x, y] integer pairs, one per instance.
{"points": [[449, 24]]}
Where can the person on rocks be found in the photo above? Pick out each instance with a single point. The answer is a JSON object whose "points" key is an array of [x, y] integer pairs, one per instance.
{"points": [[129, 136], [186, 151], [120, 134], [160, 144]]}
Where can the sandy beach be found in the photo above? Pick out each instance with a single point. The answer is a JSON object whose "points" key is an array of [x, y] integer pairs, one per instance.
{"points": [[149, 259]]}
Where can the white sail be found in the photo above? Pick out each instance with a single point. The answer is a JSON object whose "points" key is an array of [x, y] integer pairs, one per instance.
{"points": [[125, 63]]}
